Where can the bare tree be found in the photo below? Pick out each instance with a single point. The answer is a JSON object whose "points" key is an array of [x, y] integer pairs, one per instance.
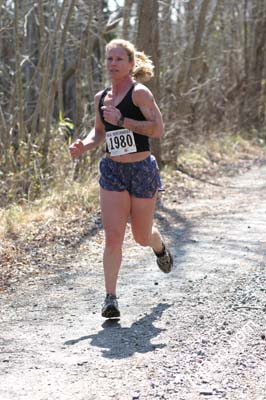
{"points": [[19, 88], [148, 41], [253, 111], [57, 67], [126, 18]]}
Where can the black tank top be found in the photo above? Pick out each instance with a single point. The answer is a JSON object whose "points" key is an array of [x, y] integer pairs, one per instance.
{"points": [[128, 110]]}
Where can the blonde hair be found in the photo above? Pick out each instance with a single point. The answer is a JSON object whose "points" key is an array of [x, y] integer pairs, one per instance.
{"points": [[143, 65]]}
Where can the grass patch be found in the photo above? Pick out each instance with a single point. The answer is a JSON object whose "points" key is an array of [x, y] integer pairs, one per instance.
{"points": [[219, 149], [64, 201]]}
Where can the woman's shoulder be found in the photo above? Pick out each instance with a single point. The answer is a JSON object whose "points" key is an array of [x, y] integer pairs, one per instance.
{"points": [[138, 86], [141, 93]]}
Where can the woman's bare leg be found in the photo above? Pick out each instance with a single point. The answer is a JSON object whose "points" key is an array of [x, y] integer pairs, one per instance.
{"points": [[115, 207], [142, 214]]}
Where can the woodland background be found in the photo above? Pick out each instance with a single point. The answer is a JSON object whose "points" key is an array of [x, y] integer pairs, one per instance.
{"points": [[210, 78]]}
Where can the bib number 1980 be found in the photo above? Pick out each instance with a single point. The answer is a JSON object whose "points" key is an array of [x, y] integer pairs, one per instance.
{"points": [[120, 142]]}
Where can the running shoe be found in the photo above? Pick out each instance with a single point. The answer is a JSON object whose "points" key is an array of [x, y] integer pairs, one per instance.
{"points": [[110, 307], [165, 260]]}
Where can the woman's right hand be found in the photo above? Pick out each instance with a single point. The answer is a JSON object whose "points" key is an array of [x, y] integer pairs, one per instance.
{"points": [[77, 148]]}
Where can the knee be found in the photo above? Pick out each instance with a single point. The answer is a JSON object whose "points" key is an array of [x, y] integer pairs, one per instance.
{"points": [[142, 240], [113, 239]]}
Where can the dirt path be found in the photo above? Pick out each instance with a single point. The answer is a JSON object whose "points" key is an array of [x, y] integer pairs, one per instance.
{"points": [[196, 333]]}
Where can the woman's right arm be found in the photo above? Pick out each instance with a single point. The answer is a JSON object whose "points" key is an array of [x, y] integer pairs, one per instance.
{"points": [[94, 138]]}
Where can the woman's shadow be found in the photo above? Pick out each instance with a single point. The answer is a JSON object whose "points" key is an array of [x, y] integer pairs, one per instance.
{"points": [[118, 342]]}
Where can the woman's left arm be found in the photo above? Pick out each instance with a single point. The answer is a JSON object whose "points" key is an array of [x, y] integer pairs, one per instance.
{"points": [[153, 126], [142, 98]]}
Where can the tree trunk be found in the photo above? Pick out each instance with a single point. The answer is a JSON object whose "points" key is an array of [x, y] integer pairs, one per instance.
{"points": [[126, 18], [148, 41], [19, 88], [4, 139], [253, 113], [191, 68]]}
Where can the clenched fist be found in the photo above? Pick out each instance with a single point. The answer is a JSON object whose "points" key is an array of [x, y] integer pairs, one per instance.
{"points": [[77, 148]]}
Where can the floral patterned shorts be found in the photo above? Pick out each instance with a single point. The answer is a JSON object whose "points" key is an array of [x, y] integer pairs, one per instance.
{"points": [[141, 179]]}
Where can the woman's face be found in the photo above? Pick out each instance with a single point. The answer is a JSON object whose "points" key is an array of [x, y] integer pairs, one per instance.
{"points": [[118, 64]]}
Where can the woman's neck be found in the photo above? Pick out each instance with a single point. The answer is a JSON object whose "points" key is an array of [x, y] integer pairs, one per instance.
{"points": [[121, 85]]}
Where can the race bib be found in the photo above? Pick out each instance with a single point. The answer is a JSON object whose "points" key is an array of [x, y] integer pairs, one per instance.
{"points": [[120, 142]]}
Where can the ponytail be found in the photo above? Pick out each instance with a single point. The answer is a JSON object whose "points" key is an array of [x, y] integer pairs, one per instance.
{"points": [[143, 69]]}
